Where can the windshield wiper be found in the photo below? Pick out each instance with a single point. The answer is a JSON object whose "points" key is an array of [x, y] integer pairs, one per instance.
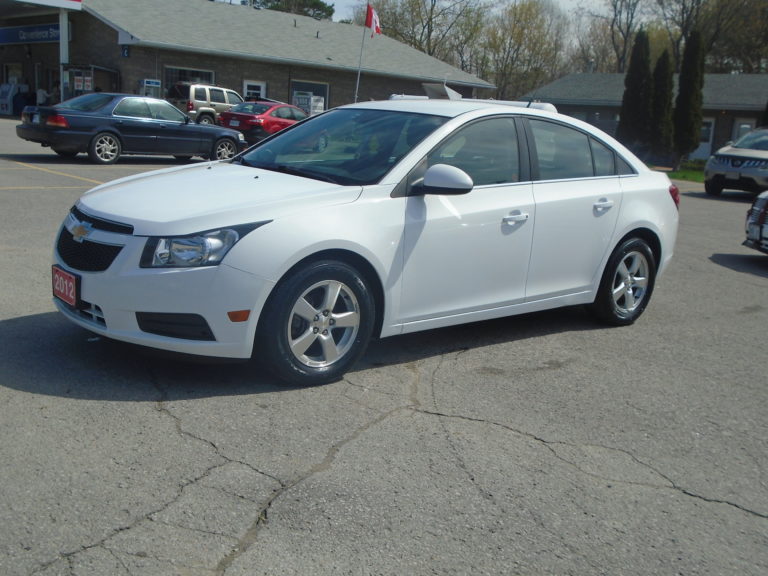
{"points": [[304, 173]]}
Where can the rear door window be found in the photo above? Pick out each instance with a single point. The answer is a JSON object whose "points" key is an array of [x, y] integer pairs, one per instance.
{"points": [[217, 95]]}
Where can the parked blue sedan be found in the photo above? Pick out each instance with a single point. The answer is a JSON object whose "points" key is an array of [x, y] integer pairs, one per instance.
{"points": [[107, 126]]}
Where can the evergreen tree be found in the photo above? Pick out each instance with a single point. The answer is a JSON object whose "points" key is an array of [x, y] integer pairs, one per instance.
{"points": [[687, 116], [661, 111], [634, 120]]}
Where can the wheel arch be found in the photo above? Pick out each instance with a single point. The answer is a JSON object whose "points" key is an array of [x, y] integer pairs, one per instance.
{"points": [[108, 130], [650, 237], [348, 257]]}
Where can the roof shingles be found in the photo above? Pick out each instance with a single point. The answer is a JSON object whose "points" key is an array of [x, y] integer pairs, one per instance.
{"points": [[267, 35]]}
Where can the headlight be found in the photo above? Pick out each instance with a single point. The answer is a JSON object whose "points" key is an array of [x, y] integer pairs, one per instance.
{"points": [[203, 249]]}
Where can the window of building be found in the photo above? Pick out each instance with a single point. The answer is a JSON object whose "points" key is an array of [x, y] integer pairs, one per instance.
{"points": [[173, 75], [312, 97], [254, 89]]}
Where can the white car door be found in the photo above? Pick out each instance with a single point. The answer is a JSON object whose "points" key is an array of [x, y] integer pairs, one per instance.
{"points": [[467, 253], [578, 197]]}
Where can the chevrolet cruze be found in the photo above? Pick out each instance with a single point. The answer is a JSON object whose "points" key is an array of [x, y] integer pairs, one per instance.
{"points": [[411, 215]]}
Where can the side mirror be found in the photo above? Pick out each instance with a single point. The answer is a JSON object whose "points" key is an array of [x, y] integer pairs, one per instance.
{"points": [[187, 119], [445, 179]]}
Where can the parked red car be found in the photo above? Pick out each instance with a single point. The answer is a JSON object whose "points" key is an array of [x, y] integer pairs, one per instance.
{"points": [[257, 120]]}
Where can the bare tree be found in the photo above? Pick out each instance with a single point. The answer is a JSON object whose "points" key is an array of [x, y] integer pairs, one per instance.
{"points": [[623, 18], [524, 45], [592, 50], [427, 25]]}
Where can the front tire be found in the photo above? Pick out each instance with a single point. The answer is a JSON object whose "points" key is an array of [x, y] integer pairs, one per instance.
{"points": [[105, 148], [317, 323], [712, 189], [627, 283]]}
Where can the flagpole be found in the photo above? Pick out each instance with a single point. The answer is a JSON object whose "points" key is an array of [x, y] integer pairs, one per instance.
{"points": [[360, 62]]}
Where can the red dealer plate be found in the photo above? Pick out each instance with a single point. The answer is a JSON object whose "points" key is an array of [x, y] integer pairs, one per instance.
{"points": [[65, 286]]}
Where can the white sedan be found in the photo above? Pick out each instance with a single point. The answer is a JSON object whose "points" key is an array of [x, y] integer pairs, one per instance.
{"points": [[372, 219]]}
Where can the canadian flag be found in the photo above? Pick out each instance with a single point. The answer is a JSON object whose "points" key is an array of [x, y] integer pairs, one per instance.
{"points": [[372, 21]]}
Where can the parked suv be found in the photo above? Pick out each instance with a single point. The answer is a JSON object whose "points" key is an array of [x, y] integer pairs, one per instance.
{"points": [[742, 165], [203, 103]]}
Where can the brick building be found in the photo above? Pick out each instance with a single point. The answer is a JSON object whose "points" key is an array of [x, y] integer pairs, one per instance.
{"points": [[144, 46]]}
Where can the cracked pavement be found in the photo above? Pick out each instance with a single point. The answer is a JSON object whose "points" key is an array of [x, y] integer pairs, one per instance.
{"points": [[541, 444]]}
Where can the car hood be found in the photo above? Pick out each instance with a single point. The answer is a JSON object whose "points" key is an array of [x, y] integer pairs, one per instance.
{"points": [[206, 196], [744, 152]]}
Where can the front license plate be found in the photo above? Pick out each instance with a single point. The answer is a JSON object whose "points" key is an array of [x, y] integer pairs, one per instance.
{"points": [[234, 122], [66, 286], [731, 175], [753, 232]]}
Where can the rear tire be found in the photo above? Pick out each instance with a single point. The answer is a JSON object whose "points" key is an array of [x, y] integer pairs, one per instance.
{"points": [[205, 119], [317, 323], [105, 148], [627, 283]]}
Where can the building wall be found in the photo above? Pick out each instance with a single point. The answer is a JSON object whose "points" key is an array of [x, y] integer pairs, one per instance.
{"points": [[96, 55]]}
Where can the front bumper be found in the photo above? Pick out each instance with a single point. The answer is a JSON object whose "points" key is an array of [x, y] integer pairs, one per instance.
{"points": [[178, 310], [757, 237]]}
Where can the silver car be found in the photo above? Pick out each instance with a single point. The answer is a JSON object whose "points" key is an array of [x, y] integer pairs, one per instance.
{"points": [[742, 165]]}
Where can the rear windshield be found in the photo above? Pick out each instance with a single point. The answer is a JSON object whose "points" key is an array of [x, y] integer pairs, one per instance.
{"points": [[251, 108], [179, 91], [87, 102]]}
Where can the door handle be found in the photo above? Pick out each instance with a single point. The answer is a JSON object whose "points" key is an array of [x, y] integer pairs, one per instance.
{"points": [[515, 216], [603, 204]]}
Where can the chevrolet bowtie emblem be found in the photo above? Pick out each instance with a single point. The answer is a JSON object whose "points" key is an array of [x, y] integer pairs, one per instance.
{"points": [[79, 230]]}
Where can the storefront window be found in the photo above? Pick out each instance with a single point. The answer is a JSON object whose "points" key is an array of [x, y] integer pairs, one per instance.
{"points": [[312, 97], [173, 75]]}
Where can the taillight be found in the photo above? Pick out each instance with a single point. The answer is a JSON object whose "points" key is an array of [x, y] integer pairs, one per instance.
{"points": [[674, 191], [190, 106], [57, 121]]}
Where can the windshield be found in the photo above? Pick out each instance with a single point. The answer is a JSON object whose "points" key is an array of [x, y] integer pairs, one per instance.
{"points": [[756, 140], [346, 146], [86, 102]]}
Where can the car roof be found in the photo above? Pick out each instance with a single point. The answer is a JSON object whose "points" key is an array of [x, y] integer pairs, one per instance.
{"points": [[449, 108]]}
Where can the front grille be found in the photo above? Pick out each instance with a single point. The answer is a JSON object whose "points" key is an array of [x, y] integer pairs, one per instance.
{"points": [[85, 256], [737, 162], [101, 224], [186, 326]]}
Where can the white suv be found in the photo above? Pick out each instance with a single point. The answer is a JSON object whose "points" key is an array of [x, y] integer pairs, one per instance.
{"points": [[414, 215], [201, 102]]}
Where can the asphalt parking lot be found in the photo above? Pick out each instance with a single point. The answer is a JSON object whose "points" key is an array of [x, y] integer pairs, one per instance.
{"points": [[540, 444]]}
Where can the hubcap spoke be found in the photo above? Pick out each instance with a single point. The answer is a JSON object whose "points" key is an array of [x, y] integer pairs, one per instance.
{"points": [[330, 349], [301, 344], [347, 319], [304, 310]]}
